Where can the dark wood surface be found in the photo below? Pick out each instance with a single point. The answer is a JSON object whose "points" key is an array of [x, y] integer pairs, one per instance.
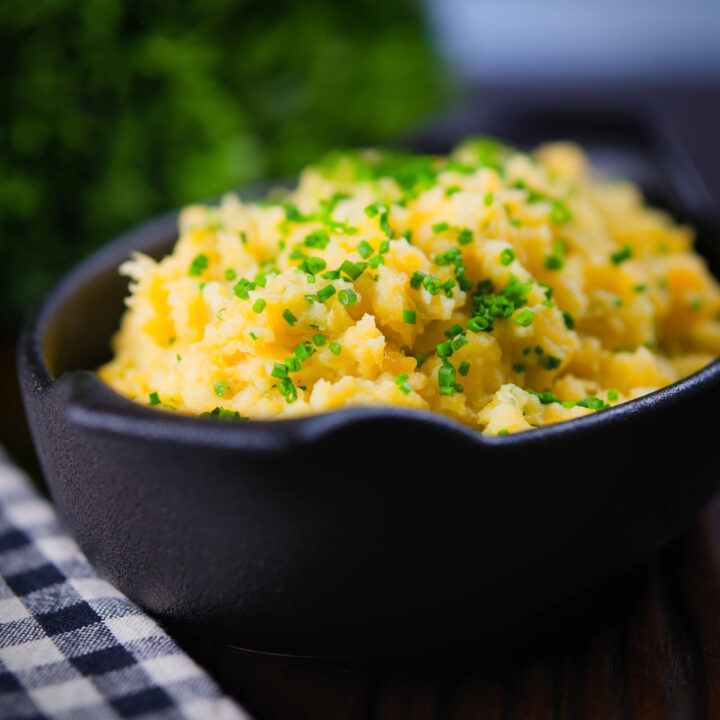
{"points": [[645, 645]]}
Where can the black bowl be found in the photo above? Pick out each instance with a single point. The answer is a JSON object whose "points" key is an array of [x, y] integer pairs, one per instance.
{"points": [[358, 531]]}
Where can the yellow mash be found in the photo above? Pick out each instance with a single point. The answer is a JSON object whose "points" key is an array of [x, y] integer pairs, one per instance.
{"points": [[505, 290]]}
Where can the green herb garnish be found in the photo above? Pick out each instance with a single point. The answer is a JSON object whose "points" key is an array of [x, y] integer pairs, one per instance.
{"points": [[199, 263]]}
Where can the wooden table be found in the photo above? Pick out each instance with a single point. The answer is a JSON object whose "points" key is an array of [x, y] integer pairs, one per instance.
{"points": [[646, 645]]}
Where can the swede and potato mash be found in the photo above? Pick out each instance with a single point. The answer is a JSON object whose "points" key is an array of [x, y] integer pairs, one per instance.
{"points": [[505, 290]]}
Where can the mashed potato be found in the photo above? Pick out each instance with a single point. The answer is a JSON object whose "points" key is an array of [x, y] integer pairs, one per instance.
{"points": [[505, 290]]}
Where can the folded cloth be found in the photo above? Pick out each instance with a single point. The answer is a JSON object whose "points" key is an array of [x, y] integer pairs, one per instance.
{"points": [[71, 645]]}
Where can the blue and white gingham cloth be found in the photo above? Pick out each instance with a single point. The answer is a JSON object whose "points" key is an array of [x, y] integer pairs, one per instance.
{"points": [[71, 645]]}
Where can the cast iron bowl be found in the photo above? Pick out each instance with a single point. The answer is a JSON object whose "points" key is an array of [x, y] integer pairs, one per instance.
{"points": [[357, 531]]}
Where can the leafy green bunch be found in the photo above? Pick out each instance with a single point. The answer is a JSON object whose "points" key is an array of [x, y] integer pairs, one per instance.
{"points": [[114, 111]]}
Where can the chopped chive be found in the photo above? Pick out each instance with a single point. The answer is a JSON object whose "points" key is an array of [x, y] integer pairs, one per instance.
{"points": [[220, 387], [503, 432], [464, 368], [525, 317], [444, 349], [640, 288], [432, 284], [417, 280], [312, 265], [365, 249], [451, 332], [372, 210], [318, 239], [154, 398], [548, 290], [554, 262], [287, 390], [280, 370], [172, 340], [243, 237], [446, 379], [253, 336], [325, 293], [544, 397], [403, 385], [409, 317], [625, 253], [527, 351], [479, 323], [353, 270], [178, 357], [560, 213], [304, 350], [549, 362], [223, 414], [384, 211], [290, 319], [259, 305], [458, 342], [592, 403], [319, 339], [465, 236], [569, 320], [440, 227], [518, 368], [331, 275], [420, 359], [243, 288], [384, 247], [613, 395], [335, 348], [230, 275], [507, 256], [452, 190], [488, 199], [347, 297], [374, 262], [294, 364], [199, 263]]}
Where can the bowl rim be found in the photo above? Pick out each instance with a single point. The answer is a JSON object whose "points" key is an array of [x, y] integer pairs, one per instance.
{"points": [[94, 404]]}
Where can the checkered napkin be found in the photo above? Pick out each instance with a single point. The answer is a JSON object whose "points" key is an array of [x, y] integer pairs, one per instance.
{"points": [[71, 645]]}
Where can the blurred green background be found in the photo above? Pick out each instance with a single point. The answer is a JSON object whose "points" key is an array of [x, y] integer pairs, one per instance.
{"points": [[112, 112]]}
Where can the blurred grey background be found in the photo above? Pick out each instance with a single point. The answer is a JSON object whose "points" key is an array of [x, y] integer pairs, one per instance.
{"points": [[654, 41]]}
